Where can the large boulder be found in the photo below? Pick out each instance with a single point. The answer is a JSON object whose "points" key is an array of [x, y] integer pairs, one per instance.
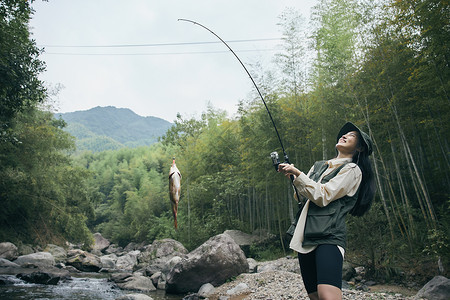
{"points": [[100, 243], [84, 261], [8, 251], [128, 261], [160, 252], [437, 288], [39, 259], [215, 261]]}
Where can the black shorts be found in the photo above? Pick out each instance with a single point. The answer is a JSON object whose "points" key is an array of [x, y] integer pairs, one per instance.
{"points": [[321, 266]]}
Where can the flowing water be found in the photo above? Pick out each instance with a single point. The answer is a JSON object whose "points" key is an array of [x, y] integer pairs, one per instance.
{"points": [[76, 288]]}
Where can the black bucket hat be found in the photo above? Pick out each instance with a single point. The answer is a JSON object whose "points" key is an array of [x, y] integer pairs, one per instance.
{"points": [[349, 126]]}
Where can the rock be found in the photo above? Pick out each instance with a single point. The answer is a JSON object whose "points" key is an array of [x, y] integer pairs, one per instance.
{"points": [[25, 249], [171, 263], [108, 261], [215, 261], [155, 278], [58, 253], [7, 280], [238, 289], [43, 277], [161, 251], [39, 259], [193, 296], [206, 290], [245, 240], [134, 246], [100, 243], [113, 249], [8, 251], [241, 238], [252, 265], [84, 261], [127, 261], [137, 282], [348, 272], [120, 277], [437, 288], [134, 297], [4, 263]]}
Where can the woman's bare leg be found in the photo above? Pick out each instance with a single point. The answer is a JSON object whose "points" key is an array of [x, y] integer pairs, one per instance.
{"points": [[328, 292]]}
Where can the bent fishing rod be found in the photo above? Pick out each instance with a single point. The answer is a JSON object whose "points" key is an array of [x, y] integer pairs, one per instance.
{"points": [[273, 155]]}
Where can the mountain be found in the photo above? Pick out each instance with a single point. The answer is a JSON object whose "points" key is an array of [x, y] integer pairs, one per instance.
{"points": [[110, 128]]}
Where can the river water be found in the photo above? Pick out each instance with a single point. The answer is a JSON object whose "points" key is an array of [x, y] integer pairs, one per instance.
{"points": [[76, 289]]}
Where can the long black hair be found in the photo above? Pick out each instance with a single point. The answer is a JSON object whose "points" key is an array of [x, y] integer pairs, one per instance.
{"points": [[367, 187]]}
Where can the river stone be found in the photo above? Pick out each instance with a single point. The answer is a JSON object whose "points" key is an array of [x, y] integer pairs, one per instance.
{"points": [[252, 265], [39, 259], [206, 290], [8, 251], [84, 261], [437, 288], [25, 249], [108, 261], [100, 243], [113, 249], [134, 297], [40, 277], [348, 272], [137, 282], [238, 289], [161, 251], [120, 277], [4, 263], [215, 261], [127, 261], [58, 253]]}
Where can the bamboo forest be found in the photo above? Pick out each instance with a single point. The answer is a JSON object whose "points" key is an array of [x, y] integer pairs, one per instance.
{"points": [[383, 65]]}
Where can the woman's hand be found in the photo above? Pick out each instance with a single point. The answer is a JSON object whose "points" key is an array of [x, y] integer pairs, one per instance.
{"points": [[288, 170]]}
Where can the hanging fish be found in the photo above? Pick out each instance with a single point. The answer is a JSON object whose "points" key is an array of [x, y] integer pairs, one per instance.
{"points": [[174, 189]]}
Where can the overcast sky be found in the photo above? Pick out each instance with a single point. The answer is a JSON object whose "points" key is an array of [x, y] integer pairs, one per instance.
{"points": [[136, 54]]}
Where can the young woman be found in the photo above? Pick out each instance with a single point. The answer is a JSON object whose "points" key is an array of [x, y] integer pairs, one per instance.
{"points": [[332, 188]]}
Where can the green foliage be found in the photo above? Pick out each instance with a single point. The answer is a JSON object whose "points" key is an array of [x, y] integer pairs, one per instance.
{"points": [[19, 64], [44, 196]]}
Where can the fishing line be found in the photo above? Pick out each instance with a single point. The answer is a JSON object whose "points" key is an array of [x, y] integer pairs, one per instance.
{"points": [[274, 155]]}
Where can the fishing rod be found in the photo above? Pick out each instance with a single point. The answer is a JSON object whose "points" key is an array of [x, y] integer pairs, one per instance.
{"points": [[273, 155]]}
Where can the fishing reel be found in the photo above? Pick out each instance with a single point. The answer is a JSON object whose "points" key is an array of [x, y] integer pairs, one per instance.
{"points": [[276, 160]]}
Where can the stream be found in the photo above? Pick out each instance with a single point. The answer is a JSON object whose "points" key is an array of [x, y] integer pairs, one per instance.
{"points": [[76, 288]]}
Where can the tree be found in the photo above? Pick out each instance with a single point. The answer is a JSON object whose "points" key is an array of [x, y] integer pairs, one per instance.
{"points": [[19, 63]]}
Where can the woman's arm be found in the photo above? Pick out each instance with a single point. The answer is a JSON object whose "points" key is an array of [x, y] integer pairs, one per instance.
{"points": [[346, 182]]}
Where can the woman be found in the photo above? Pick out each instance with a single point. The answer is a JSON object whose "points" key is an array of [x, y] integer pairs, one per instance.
{"points": [[333, 188]]}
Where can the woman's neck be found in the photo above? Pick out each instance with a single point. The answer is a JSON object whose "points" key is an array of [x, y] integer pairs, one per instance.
{"points": [[344, 155]]}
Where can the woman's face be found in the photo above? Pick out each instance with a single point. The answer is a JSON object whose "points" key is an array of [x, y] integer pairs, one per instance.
{"points": [[348, 143]]}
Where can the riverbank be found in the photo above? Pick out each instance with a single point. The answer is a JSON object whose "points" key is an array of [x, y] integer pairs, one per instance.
{"points": [[289, 285]]}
